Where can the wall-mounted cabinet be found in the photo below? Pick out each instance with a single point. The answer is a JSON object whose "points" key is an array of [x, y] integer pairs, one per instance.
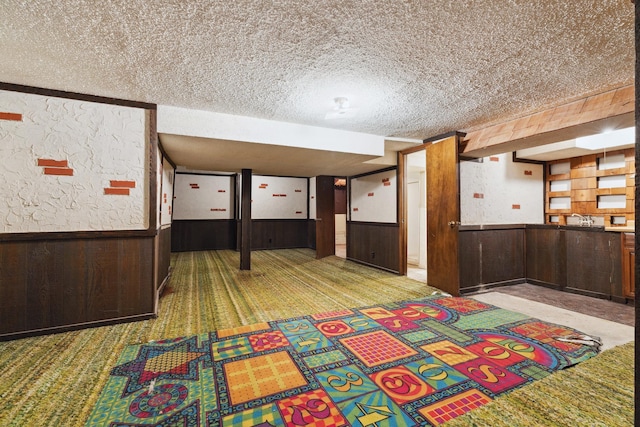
{"points": [[599, 185]]}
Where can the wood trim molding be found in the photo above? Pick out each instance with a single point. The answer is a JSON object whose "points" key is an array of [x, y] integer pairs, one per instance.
{"points": [[578, 118], [77, 96]]}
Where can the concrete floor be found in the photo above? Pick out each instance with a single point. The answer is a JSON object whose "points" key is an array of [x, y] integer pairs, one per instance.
{"points": [[612, 322]]}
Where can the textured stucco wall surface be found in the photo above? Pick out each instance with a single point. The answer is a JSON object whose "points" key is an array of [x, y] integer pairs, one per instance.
{"points": [[276, 197], [199, 196], [499, 191], [373, 198], [166, 196], [94, 147]]}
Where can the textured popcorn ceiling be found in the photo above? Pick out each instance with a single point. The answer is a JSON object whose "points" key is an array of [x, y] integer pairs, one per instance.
{"points": [[412, 69]]}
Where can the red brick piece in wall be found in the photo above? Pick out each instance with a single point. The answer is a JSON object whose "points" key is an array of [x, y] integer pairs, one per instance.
{"points": [[14, 117], [478, 196], [123, 184], [370, 194], [494, 159], [515, 206], [58, 171], [117, 191], [528, 172], [53, 163], [222, 191]]}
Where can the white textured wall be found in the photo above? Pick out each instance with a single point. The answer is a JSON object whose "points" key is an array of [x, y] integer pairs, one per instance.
{"points": [[166, 195], [499, 191], [312, 198], [198, 196], [374, 198], [98, 142], [276, 197]]}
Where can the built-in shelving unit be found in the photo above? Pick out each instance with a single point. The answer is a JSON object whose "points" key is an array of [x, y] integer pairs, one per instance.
{"points": [[599, 185]]}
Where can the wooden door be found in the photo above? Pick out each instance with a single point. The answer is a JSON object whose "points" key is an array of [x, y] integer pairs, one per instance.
{"points": [[443, 215], [325, 217]]}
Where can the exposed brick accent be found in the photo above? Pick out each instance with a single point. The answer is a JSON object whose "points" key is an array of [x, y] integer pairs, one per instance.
{"points": [[494, 159], [528, 172], [515, 206], [370, 194], [123, 184], [478, 196], [117, 191], [53, 163], [58, 171], [14, 117]]}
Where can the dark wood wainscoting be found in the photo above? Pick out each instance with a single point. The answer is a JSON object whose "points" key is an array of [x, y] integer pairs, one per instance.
{"points": [[203, 235], [56, 285], [279, 233], [546, 257], [491, 257], [374, 244], [594, 264], [584, 260], [311, 234]]}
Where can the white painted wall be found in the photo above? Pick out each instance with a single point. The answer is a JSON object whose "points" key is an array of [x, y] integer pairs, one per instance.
{"points": [[417, 219], [312, 198], [207, 124], [166, 196], [199, 196], [341, 229], [492, 191], [99, 142], [373, 198], [276, 197]]}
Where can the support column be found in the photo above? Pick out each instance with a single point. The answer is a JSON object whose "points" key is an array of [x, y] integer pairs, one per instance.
{"points": [[245, 222]]}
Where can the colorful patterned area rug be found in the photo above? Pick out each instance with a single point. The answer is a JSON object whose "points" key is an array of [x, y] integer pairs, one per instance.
{"points": [[419, 362]]}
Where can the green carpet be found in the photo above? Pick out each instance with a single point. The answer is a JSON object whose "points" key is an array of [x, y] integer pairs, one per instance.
{"points": [[55, 380]]}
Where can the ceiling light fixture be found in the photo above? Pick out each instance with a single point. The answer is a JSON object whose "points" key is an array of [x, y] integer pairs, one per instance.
{"points": [[341, 110], [342, 104]]}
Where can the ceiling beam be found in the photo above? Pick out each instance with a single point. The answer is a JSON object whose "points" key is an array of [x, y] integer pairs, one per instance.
{"points": [[613, 109]]}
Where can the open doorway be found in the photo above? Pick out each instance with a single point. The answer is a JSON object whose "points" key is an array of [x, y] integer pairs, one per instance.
{"points": [[340, 200], [416, 202]]}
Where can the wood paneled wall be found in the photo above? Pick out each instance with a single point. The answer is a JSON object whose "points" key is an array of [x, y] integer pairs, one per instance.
{"points": [[55, 285], [580, 260], [374, 244], [546, 257], [279, 233], [490, 258], [203, 235], [59, 281]]}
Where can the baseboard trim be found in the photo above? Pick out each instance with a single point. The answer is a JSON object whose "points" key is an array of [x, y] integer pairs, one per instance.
{"points": [[373, 265], [486, 286], [67, 328]]}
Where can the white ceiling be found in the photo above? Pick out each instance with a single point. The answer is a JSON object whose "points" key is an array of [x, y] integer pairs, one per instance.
{"points": [[412, 69]]}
